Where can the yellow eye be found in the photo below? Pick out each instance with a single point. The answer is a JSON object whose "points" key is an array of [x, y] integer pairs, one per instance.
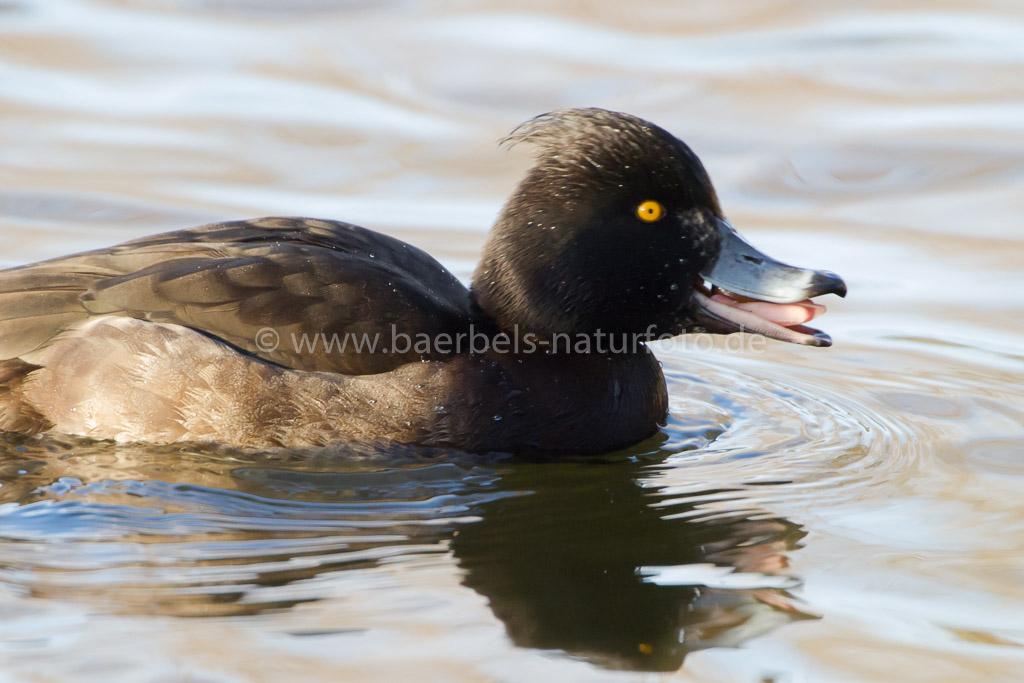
{"points": [[650, 211]]}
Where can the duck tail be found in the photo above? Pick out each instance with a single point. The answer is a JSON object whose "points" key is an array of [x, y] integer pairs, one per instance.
{"points": [[17, 414]]}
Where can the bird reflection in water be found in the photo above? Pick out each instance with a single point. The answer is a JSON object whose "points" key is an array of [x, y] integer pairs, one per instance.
{"points": [[587, 558]]}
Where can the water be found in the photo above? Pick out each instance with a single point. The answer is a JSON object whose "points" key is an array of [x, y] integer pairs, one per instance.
{"points": [[848, 514]]}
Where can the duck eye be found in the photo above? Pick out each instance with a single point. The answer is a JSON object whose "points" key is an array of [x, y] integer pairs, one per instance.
{"points": [[650, 211]]}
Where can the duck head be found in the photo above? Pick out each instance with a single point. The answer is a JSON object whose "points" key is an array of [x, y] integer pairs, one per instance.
{"points": [[617, 229]]}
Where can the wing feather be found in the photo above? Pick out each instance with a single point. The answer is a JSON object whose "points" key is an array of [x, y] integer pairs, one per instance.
{"points": [[230, 280]]}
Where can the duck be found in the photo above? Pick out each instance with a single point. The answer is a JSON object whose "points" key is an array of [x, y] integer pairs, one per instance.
{"points": [[287, 332]]}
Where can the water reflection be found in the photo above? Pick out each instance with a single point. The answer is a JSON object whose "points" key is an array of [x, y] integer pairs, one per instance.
{"points": [[571, 556], [563, 568], [213, 532]]}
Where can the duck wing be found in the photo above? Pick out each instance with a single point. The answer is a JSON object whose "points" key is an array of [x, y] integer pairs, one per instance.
{"points": [[302, 293]]}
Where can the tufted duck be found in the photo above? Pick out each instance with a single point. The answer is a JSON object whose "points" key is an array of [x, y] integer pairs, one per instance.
{"points": [[296, 332]]}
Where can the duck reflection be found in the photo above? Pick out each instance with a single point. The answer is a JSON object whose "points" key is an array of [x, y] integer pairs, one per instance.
{"points": [[579, 557], [574, 567]]}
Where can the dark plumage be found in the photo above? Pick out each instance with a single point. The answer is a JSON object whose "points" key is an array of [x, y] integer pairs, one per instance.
{"points": [[602, 268], [166, 338]]}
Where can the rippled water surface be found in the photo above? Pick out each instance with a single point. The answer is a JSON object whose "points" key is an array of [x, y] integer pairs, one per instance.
{"points": [[845, 514]]}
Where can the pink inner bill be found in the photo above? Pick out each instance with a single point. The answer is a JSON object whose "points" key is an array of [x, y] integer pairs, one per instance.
{"points": [[786, 315]]}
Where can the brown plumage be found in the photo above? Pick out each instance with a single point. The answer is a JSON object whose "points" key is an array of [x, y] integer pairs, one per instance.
{"points": [[245, 333], [232, 279]]}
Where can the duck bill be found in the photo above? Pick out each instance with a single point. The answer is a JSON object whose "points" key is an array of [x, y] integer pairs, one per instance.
{"points": [[748, 291]]}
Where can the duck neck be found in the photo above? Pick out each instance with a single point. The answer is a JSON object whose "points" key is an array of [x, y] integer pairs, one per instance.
{"points": [[525, 338]]}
